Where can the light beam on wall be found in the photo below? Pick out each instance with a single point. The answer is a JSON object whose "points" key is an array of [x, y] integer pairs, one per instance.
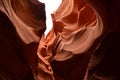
{"points": [[50, 7]]}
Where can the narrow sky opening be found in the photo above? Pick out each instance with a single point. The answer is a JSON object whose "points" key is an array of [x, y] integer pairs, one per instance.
{"points": [[50, 7]]}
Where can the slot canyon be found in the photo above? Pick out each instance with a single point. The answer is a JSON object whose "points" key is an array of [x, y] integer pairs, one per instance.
{"points": [[82, 44]]}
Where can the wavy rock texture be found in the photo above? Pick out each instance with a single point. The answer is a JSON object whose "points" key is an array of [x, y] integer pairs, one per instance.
{"points": [[76, 26], [22, 22], [82, 44], [75, 47]]}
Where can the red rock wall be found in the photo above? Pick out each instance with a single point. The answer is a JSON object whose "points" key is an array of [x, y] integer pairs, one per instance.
{"points": [[82, 44], [22, 23]]}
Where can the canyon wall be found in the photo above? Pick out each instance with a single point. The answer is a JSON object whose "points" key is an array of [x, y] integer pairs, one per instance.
{"points": [[82, 44]]}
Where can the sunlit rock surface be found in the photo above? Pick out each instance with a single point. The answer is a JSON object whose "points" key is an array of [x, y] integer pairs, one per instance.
{"points": [[82, 44], [75, 29], [79, 28]]}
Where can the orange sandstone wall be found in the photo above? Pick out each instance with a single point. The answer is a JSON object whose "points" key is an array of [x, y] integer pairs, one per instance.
{"points": [[82, 45]]}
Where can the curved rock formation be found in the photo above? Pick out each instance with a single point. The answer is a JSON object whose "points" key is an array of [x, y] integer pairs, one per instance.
{"points": [[22, 22], [79, 28], [76, 26], [80, 46]]}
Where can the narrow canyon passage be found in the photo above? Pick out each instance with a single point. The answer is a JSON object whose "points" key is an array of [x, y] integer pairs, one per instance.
{"points": [[50, 7], [76, 26], [59, 40]]}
